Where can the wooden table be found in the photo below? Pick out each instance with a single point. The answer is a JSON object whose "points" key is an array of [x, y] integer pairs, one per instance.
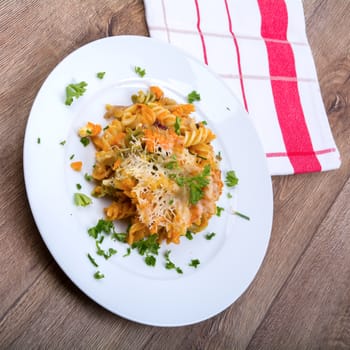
{"points": [[301, 295]]}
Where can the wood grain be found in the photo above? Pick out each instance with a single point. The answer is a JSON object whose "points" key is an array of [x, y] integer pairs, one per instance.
{"points": [[300, 297], [309, 309]]}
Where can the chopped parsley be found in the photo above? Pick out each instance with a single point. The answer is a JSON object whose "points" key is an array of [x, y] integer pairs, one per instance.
{"points": [[121, 237], [111, 252], [81, 199], [101, 226], [229, 195], [78, 186], [93, 262], [169, 265], [189, 235], [128, 252], [71, 157], [75, 90], [105, 254], [150, 260], [62, 143], [194, 263], [141, 72], [100, 75], [241, 215], [231, 179], [148, 245], [38, 140], [195, 184], [172, 164], [177, 125], [87, 177], [98, 275], [193, 96], [219, 210], [209, 236], [85, 141]]}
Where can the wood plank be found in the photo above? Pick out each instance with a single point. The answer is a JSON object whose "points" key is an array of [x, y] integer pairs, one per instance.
{"points": [[40, 306], [26, 58], [312, 310]]}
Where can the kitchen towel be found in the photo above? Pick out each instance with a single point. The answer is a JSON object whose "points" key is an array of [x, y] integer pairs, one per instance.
{"points": [[260, 49]]}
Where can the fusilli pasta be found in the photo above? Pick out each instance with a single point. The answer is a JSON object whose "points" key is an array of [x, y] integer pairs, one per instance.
{"points": [[157, 165]]}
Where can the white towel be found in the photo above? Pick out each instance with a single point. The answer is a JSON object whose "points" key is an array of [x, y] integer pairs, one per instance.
{"points": [[260, 49]]}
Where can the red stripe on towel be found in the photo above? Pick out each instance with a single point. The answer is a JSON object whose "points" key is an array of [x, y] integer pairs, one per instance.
{"points": [[200, 32], [238, 55], [274, 24], [299, 154]]}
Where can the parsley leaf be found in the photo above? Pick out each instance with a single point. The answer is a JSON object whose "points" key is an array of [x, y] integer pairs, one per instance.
{"points": [[101, 226], [172, 164], [128, 252], [209, 236], [100, 75], [141, 72], [195, 184], [98, 275], [148, 245], [81, 199], [219, 210], [231, 179], [189, 235], [194, 263], [150, 260], [103, 253], [177, 125], [241, 215], [121, 237], [87, 177], [169, 265], [93, 262], [85, 141], [74, 90], [193, 96]]}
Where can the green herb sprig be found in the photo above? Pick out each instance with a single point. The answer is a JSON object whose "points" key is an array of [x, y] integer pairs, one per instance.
{"points": [[231, 179], [75, 91], [169, 265], [139, 71], [193, 96], [81, 199], [195, 184]]}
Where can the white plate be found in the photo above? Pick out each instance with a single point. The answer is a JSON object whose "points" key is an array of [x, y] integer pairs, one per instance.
{"points": [[131, 289]]}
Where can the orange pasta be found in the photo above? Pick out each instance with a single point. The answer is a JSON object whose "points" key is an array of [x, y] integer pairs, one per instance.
{"points": [[157, 165]]}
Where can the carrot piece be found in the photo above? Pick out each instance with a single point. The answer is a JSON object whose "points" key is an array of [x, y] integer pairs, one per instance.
{"points": [[76, 165]]}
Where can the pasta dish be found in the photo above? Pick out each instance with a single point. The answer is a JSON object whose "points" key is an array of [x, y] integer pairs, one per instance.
{"points": [[157, 165]]}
